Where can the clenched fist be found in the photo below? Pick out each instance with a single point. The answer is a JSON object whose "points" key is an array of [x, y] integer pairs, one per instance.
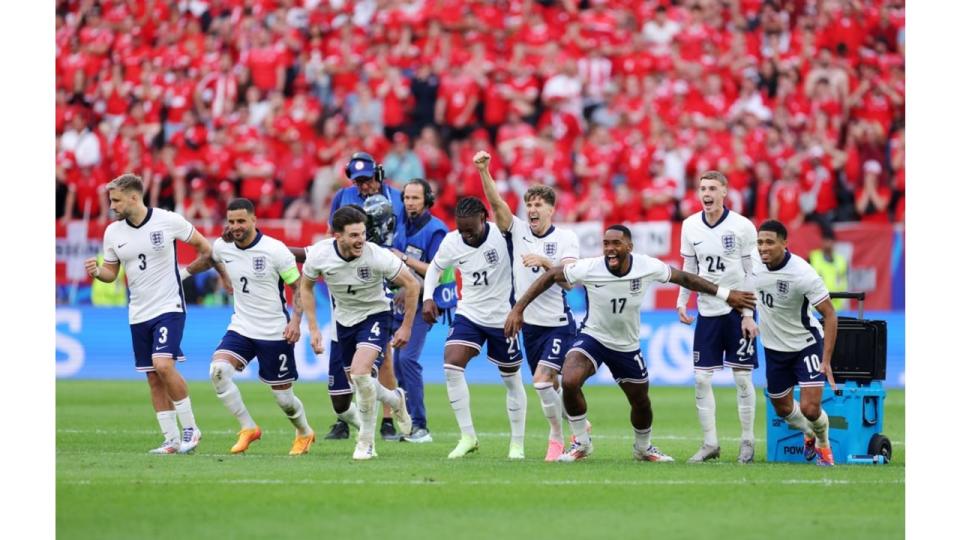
{"points": [[482, 160]]}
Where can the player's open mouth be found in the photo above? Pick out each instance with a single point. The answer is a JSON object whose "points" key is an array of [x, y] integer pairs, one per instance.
{"points": [[534, 220], [612, 260]]}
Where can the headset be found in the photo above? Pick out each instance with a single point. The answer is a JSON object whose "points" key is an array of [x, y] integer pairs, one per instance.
{"points": [[366, 158], [428, 197]]}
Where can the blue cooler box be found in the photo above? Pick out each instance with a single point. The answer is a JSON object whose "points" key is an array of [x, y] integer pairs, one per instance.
{"points": [[856, 420]]}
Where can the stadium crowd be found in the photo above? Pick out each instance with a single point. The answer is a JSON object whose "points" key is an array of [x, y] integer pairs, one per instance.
{"points": [[616, 103]]}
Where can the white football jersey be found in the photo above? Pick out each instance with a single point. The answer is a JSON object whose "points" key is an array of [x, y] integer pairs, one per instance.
{"points": [[613, 302], [258, 273], [786, 295], [719, 250], [148, 253], [550, 308], [356, 286], [487, 280]]}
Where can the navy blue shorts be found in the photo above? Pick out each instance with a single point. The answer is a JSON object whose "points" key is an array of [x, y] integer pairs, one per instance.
{"points": [[160, 337], [277, 364], [547, 345], [337, 381], [785, 369], [626, 367], [374, 332], [501, 350], [718, 342]]}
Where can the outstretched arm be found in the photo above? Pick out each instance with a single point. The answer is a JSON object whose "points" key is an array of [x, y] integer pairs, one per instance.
{"points": [[501, 212], [736, 299], [430, 311], [204, 261], [544, 282]]}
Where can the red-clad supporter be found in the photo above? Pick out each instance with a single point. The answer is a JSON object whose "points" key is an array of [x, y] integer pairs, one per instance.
{"points": [[593, 204], [785, 198], [763, 184], [394, 93], [873, 197], [295, 171], [562, 126], [660, 194], [265, 62], [627, 205], [268, 204], [191, 142], [255, 171], [818, 181], [598, 158], [200, 205], [457, 100]]}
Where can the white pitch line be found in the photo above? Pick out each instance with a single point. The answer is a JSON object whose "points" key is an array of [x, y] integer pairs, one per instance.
{"points": [[827, 482]]}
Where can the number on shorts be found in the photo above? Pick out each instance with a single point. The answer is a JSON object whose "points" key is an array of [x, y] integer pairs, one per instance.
{"points": [[746, 348], [639, 360], [511, 345], [283, 362], [143, 261], [376, 329], [163, 334], [812, 362], [556, 346]]}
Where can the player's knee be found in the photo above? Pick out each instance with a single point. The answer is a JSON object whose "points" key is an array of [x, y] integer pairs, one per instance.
{"points": [[163, 366], [782, 409], [703, 381], [811, 411], [341, 403], [572, 383], [153, 379], [286, 400], [220, 371]]}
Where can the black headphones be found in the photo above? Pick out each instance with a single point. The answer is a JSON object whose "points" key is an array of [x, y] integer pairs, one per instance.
{"points": [[428, 198], [366, 158]]}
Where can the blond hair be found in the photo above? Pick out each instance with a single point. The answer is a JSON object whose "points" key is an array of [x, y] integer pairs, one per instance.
{"points": [[126, 182], [714, 175]]}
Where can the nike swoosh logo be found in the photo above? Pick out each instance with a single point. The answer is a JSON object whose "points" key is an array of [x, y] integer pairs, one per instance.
{"points": [[814, 376], [228, 260], [461, 262], [698, 243], [598, 286], [331, 273], [161, 348], [527, 240], [121, 245]]}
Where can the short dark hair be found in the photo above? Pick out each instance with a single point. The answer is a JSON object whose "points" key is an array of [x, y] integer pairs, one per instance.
{"points": [[427, 190], [714, 175], [774, 226], [348, 215], [126, 182], [470, 206], [240, 204], [541, 191], [623, 229]]}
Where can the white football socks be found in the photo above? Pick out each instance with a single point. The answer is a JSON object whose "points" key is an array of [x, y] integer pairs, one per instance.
{"points": [[459, 396], [366, 403], [821, 428], [351, 416], [221, 374], [706, 406], [388, 397], [642, 438], [746, 402], [168, 425], [185, 413], [293, 407], [516, 405], [796, 420], [578, 425], [552, 408]]}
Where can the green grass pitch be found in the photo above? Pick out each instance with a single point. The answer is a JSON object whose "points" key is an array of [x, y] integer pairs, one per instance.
{"points": [[108, 487]]}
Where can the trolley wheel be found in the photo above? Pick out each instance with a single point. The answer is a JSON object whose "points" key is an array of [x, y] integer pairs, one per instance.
{"points": [[880, 446]]}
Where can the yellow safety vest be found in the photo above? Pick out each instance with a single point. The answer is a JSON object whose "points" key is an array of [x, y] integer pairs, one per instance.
{"points": [[833, 273], [109, 294]]}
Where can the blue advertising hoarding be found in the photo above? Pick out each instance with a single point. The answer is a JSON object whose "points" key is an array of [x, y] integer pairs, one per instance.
{"points": [[94, 343]]}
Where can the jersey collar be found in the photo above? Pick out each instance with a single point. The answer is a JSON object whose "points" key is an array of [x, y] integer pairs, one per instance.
{"points": [[786, 258], [337, 250], [629, 265], [723, 216], [545, 234], [255, 240], [145, 219], [486, 233]]}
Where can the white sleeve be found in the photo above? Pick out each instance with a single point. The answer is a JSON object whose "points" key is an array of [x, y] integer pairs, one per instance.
{"points": [[656, 269], [385, 262], [180, 227], [815, 289], [576, 272], [689, 265], [441, 261], [311, 266], [571, 248], [286, 264], [109, 252], [216, 252]]}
